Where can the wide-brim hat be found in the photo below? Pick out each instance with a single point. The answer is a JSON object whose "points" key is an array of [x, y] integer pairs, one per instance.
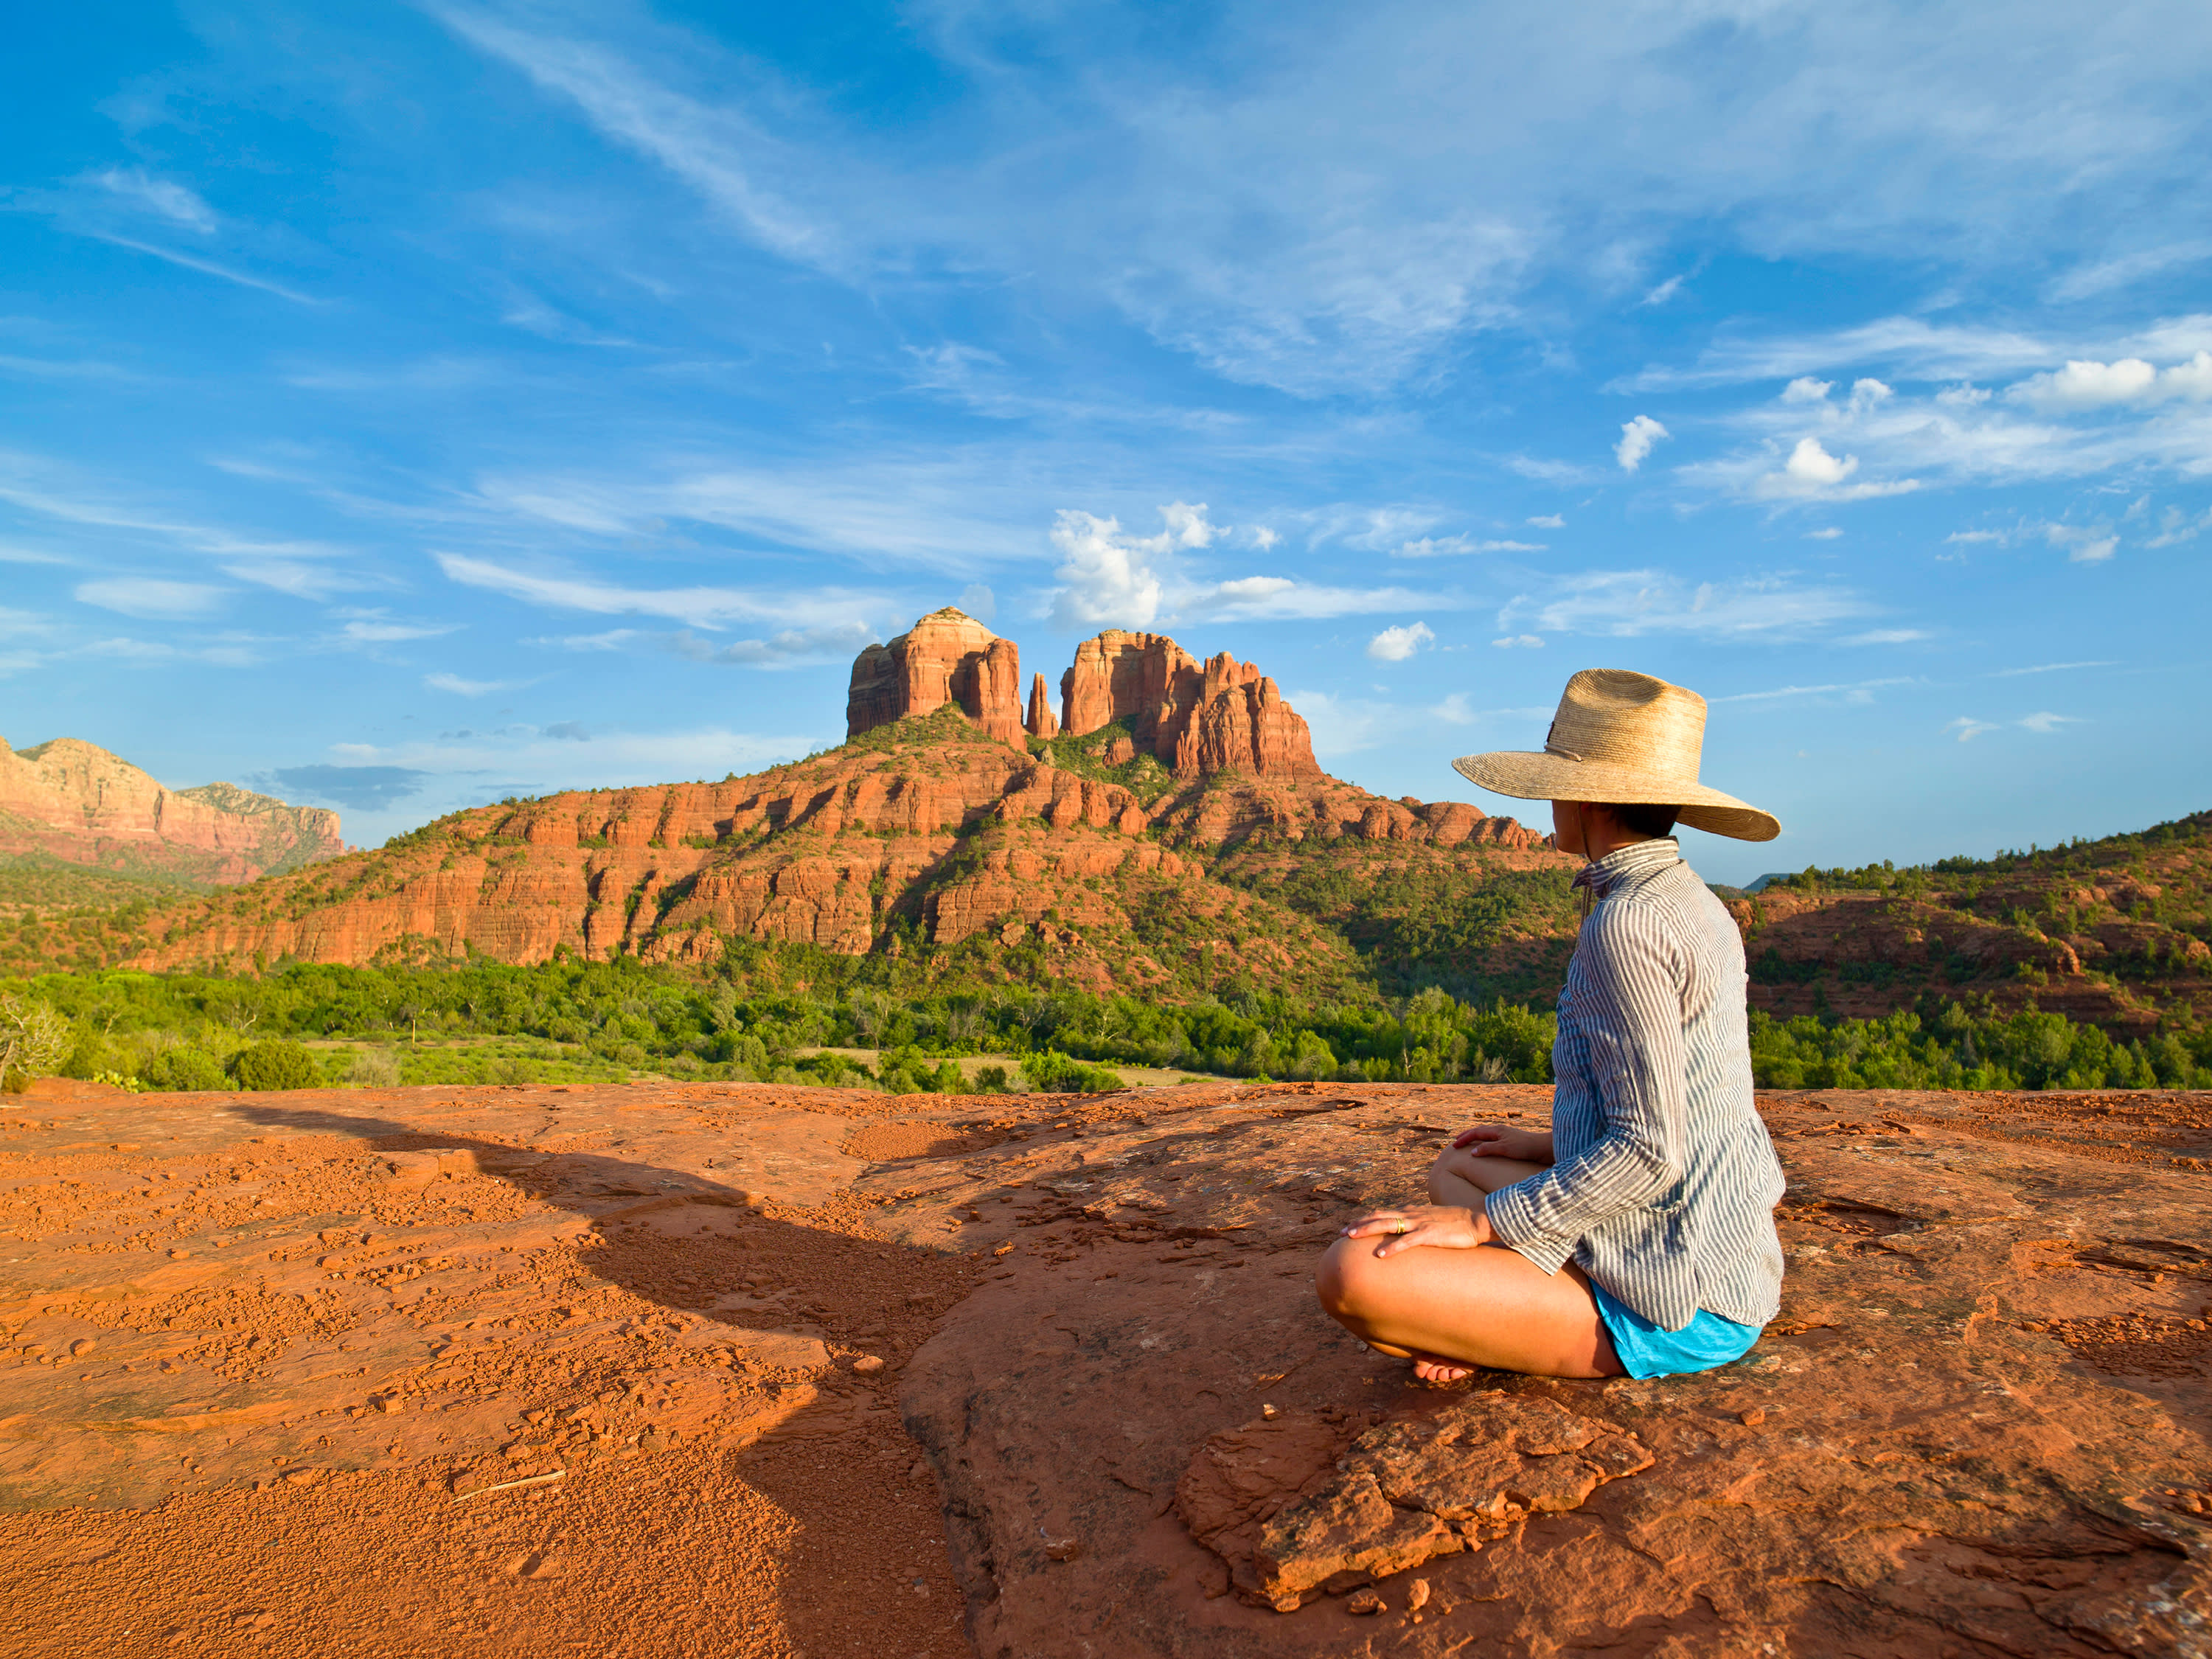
{"points": [[1623, 737]]}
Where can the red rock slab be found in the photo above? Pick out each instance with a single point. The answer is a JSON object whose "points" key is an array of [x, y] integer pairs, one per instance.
{"points": [[1924, 1454]]}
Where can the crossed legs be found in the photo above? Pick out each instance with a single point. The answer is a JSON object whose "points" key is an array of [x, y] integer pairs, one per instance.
{"points": [[1450, 1311]]}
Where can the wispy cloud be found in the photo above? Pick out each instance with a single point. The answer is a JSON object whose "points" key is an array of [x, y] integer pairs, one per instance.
{"points": [[209, 268], [151, 597], [179, 204], [700, 607], [1623, 604], [2050, 668]]}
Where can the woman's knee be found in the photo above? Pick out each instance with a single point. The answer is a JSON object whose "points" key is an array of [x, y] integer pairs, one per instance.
{"points": [[1451, 1161], [1337, 1277]]}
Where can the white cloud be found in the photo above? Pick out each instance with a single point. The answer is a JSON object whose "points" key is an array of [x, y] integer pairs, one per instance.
{"points": [[1828, 534], [2174, 528], [1887, 636], [1813, 474], [700, 607], [2083, 385], [613, 640], [173, 202], [1968, 728], [1110, 578], [301, 581], [1524, 642], [2083, 281], [2045, 723], [1858, 692], [1807, 390], [1665, 291], [2084, 543], [460, 687], [1438, 547], [2047, 668], [1263, 538], [1453, 710], [209, 268], [1278, 599], [1626, 603], [1396, 644], [1637, 437], [1548, 521], [1978, 536], [789, 648], [377, 629], [150, 598]]}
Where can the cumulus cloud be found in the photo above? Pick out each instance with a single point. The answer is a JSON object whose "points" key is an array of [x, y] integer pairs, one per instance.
{"points": [[1637, 437], [1807, 390], [2084, 384], [150, 598], [1397, 643], [1811, 473], [1110, 578]]}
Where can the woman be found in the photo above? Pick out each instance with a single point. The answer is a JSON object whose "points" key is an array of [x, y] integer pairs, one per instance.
{"points": [[1637, 1237]]}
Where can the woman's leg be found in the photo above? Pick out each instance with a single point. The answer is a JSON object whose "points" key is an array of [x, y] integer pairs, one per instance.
{"points": [[1489, 1306], [1458, 1176]]}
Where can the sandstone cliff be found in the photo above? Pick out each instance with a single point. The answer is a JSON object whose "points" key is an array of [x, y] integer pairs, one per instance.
{"points": [[75, 801], [1223, 716], [930, 836], [947, 657]]}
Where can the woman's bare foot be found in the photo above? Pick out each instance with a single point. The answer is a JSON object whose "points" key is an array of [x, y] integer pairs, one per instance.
{"points": [[1434, 1368]]}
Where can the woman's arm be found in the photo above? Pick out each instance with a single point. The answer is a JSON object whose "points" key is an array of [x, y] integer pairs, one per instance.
{"points": [[1629, 1010]]}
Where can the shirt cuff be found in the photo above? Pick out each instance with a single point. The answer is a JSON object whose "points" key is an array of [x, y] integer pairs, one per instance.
{"points": [[1511, 1214]]}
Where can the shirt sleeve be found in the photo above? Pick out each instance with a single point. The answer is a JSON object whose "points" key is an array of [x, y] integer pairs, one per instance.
{"points": [[1629, 1009]]}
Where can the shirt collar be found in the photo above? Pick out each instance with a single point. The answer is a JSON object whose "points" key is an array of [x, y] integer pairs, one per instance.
{"points": [[1638, 858]]}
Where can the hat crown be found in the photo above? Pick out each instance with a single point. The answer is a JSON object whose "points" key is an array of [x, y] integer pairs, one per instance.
{"points": [[1617, 717]]}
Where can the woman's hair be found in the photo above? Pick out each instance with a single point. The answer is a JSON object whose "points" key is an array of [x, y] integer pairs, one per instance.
{"points": [[1652, 821]]}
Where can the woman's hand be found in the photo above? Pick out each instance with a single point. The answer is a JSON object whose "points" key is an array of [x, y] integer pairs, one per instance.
{"points": [[1489, 1140], [1443, 1226]]}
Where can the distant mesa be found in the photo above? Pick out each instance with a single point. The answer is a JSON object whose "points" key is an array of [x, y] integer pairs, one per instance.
{"points": [[1197, 719], [75, 802]]}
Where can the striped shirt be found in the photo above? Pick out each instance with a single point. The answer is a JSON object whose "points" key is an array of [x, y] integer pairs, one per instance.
{"points": [[1664, 1184]]}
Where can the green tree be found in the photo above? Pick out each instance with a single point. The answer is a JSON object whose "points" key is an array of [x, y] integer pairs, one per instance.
{"points": [[276, 1064], [32, 1039]]}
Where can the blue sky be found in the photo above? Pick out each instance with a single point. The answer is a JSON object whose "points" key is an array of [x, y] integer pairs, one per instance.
{"points": [[403, 406]]}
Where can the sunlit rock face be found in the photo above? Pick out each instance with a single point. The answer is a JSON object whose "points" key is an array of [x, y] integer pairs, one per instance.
{"points": [[947, 657], [1197, 720], [75, 801]]}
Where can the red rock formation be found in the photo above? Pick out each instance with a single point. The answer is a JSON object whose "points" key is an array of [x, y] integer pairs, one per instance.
{"points": [[1196, 721], [947, 657], [1241, 721], [1118, 676], [77, 802], [1042, 724]]}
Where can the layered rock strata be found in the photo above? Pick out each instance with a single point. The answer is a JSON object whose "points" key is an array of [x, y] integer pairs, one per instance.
{"points": [[1197, 719], [947, 657], [838, 851], [75, 801]]}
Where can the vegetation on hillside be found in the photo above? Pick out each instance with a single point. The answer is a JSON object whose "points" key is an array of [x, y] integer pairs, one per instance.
{"points": [[575, 1021]]}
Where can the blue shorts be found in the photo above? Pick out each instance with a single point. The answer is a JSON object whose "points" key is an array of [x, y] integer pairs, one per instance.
{"points": [[1650, 1350]]}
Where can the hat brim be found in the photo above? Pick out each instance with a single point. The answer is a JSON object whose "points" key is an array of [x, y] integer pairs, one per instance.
{"points": [[1554, 777]]}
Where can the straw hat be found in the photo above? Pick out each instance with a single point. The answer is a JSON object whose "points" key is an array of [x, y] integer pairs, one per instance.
{"points": [[1623, 737]]}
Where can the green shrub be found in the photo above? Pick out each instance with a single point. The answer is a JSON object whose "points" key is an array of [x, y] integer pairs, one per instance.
{"points": [[276, 1064], [373, 1068], [182, 1068], [1054, 1073], [992, 1080]]}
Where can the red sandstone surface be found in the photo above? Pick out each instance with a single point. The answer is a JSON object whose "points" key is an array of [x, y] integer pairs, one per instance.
{"points": [[832, 852], [76, 802], [1196, 721], [947, 657], [709, 1370]]}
